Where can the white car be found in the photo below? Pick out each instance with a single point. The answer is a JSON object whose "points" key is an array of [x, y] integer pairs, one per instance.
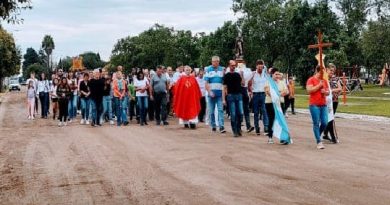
{"points": [[14, 85]]}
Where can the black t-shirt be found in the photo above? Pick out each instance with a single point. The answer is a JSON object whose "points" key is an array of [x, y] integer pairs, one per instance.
{"points": [[83, 87], [233, 82], [96, 87], [107, 89]]}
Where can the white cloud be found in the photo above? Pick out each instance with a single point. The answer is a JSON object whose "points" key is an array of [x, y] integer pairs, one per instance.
{"points": [[89, 25]]}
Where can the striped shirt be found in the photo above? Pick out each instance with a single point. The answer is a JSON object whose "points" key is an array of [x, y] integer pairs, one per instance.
{"points": [[214, 77]]}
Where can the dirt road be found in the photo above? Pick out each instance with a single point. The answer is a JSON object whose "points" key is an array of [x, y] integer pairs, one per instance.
{"points": [[43, 164]]}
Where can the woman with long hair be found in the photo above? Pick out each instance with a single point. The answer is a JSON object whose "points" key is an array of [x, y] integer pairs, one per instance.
{"points": [[72, 106], [54, 97], [63, 93], [43, 91], [141, 84]]}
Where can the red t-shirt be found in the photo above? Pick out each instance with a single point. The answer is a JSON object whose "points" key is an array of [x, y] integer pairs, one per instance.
{"points": [[317, 98]]}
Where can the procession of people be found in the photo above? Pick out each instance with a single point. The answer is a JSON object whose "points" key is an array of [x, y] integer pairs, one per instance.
{"points": [[192, 95]]}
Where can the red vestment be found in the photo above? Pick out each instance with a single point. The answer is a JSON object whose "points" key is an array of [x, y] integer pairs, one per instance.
{"points": [[187, 98]]}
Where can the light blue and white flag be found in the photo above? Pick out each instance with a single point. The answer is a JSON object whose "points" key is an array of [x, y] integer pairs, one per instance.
{"points": [[280, 127]]}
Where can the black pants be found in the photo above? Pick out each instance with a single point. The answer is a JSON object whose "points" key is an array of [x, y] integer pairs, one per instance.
{"points": [[283, 106], [202, 109], [286, 104], [44, 99], [150, 110], [292, 103], [245, 105], [331, 127], [36, 105], [160, 106], [132, 111], [63, 107], [271, 117], [289, 102]]}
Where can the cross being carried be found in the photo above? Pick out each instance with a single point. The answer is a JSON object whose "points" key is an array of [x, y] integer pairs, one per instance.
{"points": [[320, 45]]}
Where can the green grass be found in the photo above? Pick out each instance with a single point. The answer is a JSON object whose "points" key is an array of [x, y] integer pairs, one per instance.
{"points": [[354, 106], [368, 91]]}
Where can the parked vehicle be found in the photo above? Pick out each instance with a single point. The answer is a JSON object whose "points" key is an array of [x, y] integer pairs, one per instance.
{"points": [[14, 84]]}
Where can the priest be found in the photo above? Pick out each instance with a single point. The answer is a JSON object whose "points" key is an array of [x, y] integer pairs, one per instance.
{"points": [[187, 99]]}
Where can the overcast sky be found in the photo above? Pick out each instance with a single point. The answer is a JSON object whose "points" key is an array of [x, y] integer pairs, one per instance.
{"points": [[95, 25]]}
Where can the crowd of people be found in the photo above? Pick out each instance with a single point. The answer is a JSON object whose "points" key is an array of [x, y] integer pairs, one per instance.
{"points": [[192, 95]]}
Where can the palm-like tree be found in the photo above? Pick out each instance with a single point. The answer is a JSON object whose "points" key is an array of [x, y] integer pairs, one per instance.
{"points": [[48, 46]]}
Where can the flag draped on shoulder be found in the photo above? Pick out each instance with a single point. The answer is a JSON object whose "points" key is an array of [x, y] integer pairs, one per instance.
{"points": [[280, 127]]}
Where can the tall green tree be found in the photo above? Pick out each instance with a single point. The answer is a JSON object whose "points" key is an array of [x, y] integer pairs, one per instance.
{"points": [[65, 63], [48, 46], [221, 43], [9, 56], [30, 57], [10, 9], [92, 60], [375, 44]]}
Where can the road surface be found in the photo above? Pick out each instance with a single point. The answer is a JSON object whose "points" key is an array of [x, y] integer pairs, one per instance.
{"points": [[41, 163]]}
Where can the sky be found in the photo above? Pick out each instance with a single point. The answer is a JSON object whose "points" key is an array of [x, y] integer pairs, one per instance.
{"points": [[78, 26]]}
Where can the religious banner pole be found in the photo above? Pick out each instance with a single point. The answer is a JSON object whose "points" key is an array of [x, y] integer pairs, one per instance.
{"points": [[320, 45]]}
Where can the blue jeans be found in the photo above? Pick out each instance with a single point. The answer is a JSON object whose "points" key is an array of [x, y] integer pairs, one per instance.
{"points": [[319, 115], [236, 111], [72, 106], [96, 111], [121, 110], [216, 101], [259, 105], [107, 107], [142, 102], [44, 98], [85, 104]]}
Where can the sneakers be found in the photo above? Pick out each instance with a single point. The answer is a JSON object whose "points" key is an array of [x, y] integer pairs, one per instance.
{"points": [[165, 123], [60, 124], [222, 130], [87, 122], [270, 141], [192, 126], [65, 123], [186, 126], [214, 129], [326, 137], [29, 117], [250, 129], [82, 122], [111, 122], [320, 146]]}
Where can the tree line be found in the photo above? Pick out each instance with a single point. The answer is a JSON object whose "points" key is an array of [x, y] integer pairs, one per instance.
{"points": [[277, 31]]}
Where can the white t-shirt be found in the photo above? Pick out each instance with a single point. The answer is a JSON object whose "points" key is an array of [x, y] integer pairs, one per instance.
{"points": [[141, 84]]}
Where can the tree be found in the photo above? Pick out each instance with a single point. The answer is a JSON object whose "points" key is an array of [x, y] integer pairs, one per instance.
{"points": [[221, 43], [48, 46], [375, 44], [36, 68], [30, 58], [10, 9], [65, 63], [92, 60], [9, 56], [263, 28], [156, 46]]}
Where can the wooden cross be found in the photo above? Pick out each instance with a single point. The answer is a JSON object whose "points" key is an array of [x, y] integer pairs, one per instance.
{"points": [[320, 45]]}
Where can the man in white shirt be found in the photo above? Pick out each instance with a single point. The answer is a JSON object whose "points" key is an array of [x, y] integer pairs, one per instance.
{"points": [[257, 84]]}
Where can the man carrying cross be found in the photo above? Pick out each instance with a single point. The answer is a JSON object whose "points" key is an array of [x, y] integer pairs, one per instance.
{"points": [[318, 88]]}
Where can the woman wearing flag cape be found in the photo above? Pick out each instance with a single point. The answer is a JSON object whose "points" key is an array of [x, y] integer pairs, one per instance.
{"points": [[277, 123]]}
